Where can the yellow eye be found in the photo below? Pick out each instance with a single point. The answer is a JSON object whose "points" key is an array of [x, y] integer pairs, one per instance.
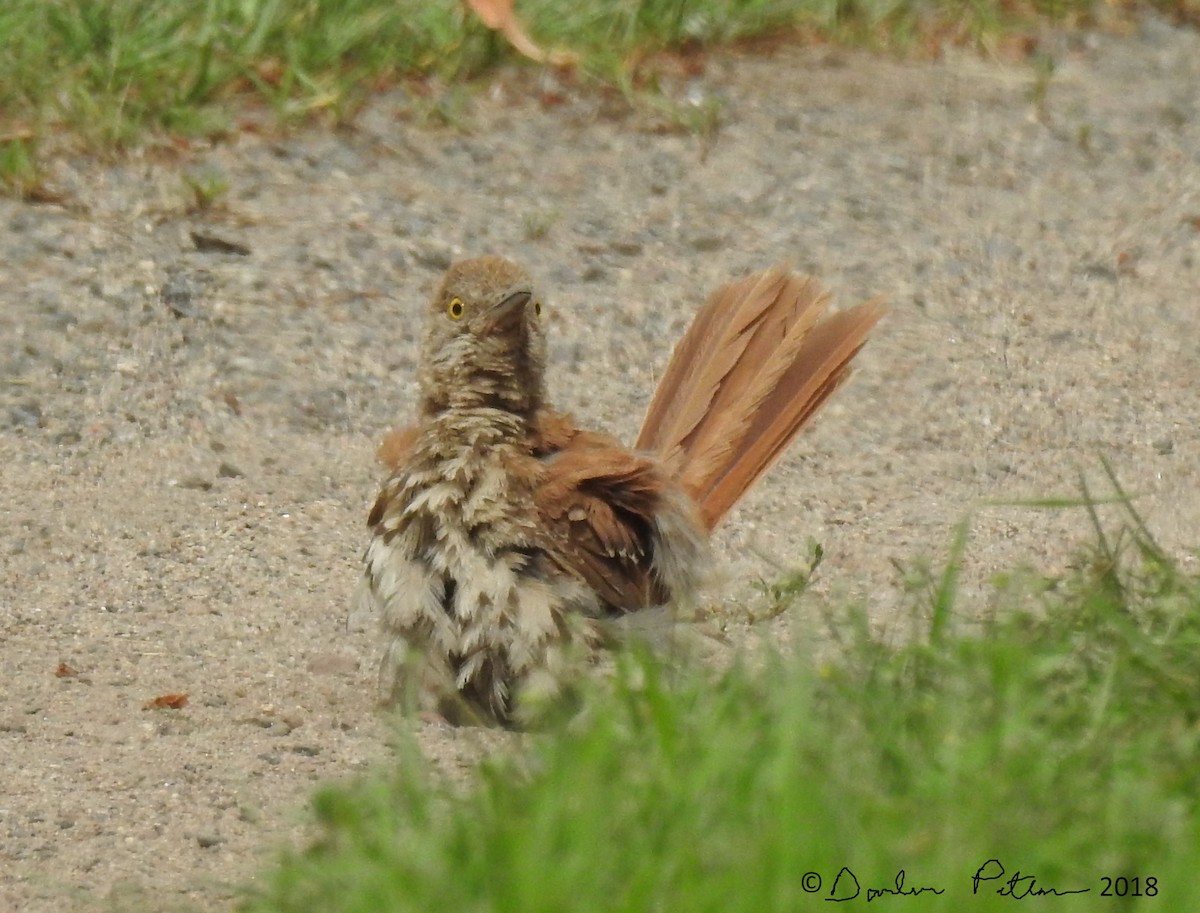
{"points": [[455, 309], [537, 308]]}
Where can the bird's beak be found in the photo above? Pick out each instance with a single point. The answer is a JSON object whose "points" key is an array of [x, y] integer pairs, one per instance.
{"points": [[509, 314]]}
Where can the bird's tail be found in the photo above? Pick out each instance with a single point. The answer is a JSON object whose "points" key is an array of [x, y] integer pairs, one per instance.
{"points": [[756, 364]]}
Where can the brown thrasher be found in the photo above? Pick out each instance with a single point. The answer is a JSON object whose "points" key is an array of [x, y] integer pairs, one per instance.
{"points": [[506, 535]]}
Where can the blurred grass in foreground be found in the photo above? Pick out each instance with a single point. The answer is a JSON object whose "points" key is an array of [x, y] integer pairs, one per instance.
{"points": [[1059, 738], [106, 71]]}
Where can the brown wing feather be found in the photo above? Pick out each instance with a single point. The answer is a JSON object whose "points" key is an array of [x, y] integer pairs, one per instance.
{"points": [[599, 501], [396, 446]]}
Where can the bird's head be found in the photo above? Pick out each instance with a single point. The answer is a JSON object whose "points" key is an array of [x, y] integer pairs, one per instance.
{"points": [[484, 343]]}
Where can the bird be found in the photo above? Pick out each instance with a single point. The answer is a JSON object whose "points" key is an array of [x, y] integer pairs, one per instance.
{"points": [[506, 535]]}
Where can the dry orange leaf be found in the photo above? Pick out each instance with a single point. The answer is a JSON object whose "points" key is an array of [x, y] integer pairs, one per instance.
{"points": [[494, 13], [499, 15], [174, 701]]}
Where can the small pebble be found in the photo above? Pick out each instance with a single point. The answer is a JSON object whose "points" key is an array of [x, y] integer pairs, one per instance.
{"points": [[194, 483], [229, 471]]}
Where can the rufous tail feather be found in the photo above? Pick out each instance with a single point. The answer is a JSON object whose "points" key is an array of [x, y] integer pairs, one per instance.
{"points": [[756, 364]]}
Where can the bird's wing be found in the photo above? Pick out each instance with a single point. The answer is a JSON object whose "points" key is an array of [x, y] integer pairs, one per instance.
{"points": [[599, 503], [396, 447]]}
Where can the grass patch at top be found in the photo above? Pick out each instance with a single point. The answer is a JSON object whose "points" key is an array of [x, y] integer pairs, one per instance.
{"points": [[107, 71], [1051, 750]]}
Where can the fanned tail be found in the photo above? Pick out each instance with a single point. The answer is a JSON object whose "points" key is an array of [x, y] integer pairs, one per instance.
{"points": [[755, 365]]}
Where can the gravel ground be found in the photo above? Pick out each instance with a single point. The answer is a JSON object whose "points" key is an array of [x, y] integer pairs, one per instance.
{"points": [[187, 434]]}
